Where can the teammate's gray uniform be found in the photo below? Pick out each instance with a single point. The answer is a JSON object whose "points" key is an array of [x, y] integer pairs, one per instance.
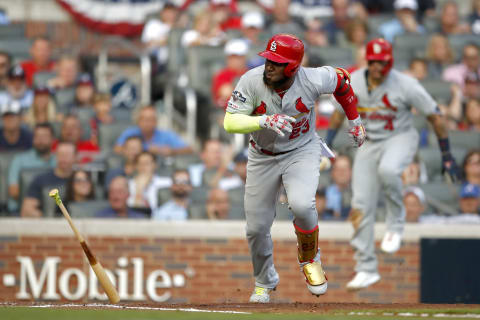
{"points": [[298, 168], [391, 144]]}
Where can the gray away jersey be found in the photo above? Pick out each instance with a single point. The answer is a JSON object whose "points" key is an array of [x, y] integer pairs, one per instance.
{"points": [[252, 97], [386, 110]]}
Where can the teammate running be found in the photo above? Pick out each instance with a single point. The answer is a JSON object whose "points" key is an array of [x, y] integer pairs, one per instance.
{"points": [[385, 98], [275, 103]]}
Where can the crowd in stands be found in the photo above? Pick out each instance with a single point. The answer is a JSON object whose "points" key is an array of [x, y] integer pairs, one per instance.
{"points": [[55, 120]]}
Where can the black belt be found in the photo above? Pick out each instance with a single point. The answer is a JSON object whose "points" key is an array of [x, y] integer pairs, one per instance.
{"points": [[268, 152]]}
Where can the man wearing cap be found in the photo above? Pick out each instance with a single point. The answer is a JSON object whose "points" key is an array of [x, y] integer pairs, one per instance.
{"points": [[405, 20], [236, 64], [414, 202], [469, 199], [13, 137], [275, 104], [17, 89]]}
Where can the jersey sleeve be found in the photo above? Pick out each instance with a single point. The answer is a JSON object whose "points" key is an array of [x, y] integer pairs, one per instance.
{"points": [[420, 99], [324, 79], [242, 97]]}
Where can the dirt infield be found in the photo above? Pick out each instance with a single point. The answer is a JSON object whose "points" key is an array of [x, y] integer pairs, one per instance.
{"points": [[296, 307]]}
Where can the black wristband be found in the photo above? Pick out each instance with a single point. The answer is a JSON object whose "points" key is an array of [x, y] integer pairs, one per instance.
{"points": [[444, 145]]}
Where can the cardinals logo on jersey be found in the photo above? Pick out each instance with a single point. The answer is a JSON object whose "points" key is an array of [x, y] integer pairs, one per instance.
{"points": [[387, 106], [301, 107], [261, 109]]}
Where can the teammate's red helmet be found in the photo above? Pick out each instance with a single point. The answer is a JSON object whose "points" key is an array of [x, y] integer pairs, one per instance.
{"points": [[285, 48], [380, 50]]}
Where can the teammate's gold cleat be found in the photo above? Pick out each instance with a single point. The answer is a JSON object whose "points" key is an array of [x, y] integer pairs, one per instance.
{"points": [[315, 277]]}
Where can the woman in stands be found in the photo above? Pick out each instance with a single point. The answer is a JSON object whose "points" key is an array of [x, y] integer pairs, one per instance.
{"points": [[80, 187]]}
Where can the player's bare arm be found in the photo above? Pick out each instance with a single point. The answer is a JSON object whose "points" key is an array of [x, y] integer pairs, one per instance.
{"points": [[449, 167]]}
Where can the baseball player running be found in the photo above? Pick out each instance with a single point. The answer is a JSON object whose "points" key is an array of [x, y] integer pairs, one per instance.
{"points": [[385, 98], [274, 103]]}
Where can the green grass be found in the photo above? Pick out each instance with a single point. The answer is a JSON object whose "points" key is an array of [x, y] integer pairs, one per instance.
{"points": [[26, 313]]}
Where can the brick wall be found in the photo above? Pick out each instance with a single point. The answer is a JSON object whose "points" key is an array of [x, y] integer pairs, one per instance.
{"points": [[216, 269]]}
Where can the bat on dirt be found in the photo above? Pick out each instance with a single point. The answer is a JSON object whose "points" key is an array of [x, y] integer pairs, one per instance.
{"points": [[96, 266]]}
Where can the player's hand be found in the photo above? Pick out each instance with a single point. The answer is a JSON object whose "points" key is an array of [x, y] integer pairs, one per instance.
{"points": [[279, 123], [357, 132], [449, 167]]}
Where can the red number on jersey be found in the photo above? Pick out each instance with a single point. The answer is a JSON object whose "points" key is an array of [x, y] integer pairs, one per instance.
{"points": [[300, 127]]}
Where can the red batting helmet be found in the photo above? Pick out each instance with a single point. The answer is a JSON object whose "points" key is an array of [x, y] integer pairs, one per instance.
{"points": [[380, 50], [285, 48]]}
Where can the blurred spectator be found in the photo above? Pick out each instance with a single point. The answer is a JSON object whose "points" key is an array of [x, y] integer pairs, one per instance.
{"points": [[405, 21], [156, 31], [4, 20], [41, 53], [5, 61], [471, 167], [205, 32], [414, 202], [79, 187], [356, 32], [224, 12], [117, 197], [471, 89], [225, 80], [470, 65], [239, 176], [253, 23], [339, 21], [474, 18], [418, 69], [282, 21], [320, 202], [143, 186], [39, 156], [218, 204], [439, 54], [415, 173], [84, 92], [339, 193], [472, 116], [33, 205], [13, 136], [43, 108], [132, 147], [72, 131], [211, 156], [450, 20], [102, 106], [159, 142], [177, 207], [66, 73], [315, 36], [469, 202], [17, 89]]}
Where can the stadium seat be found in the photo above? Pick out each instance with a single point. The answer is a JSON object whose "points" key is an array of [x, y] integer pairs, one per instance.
{"points": [[176, 52], [465, 139], [440, 90], [41, 78], [376, 20], [122, 115], [86, 209], [197, 211], [333, 56], [109, 133], [236, 196], [64, 98], [432, 159], [12, 31], [183, 161], [164, 194], [236, 213], [419, 122], [202, 63], [458, 41], [19, 48], [414, 43], [199, 194], [5, 159], [441, 198]]}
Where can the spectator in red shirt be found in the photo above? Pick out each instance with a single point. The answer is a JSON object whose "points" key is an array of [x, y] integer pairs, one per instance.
{"points": [[41, 52], [236, 65], [71, 131]]}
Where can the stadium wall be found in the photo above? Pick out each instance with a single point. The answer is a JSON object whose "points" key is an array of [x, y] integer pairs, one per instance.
{"points": [[193, 261]]}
